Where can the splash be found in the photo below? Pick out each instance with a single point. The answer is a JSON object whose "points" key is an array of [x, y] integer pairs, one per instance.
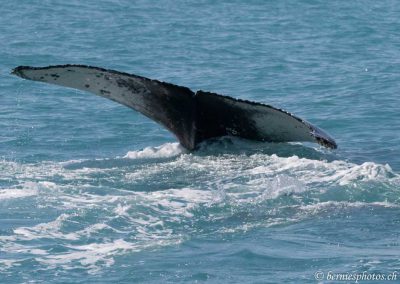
{"points": [[164, 151]]}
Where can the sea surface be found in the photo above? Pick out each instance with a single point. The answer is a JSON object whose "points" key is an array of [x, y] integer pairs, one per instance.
{"points": [[93, 192]]}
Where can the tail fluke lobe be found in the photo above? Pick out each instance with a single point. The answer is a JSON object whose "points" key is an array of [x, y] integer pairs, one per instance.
{"points": [[222, 115], [170, 105]]}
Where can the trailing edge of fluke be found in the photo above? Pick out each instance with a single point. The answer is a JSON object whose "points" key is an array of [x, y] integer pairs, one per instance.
{"points": [[192, 117]]}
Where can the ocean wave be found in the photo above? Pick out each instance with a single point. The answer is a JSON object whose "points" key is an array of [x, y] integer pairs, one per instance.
{"points": [[92, 256], [95, 212]]}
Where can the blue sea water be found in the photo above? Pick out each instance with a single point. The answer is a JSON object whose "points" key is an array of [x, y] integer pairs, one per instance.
{"points": [[93, 192]]}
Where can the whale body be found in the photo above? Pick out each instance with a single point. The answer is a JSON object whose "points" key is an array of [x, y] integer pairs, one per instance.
{"points": [[192, 117]]}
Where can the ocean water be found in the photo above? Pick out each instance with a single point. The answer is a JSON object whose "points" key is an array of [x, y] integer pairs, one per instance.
{"points": [[93, 192]]}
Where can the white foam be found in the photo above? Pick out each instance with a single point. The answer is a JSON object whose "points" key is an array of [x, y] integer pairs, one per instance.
{"points": [[8, 263], [164, 151], [238, 185], [26, 189], [94, 256], [282, 185], [11, 193], [365, 172], [181, 201], [90, 255], [45, 230], [327, 205], [122, 209], [316, 171]]}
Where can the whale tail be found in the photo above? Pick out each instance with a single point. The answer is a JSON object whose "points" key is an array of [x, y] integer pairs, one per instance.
{"points": [[191, 117]]}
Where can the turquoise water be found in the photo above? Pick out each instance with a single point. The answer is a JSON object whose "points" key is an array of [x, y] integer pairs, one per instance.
{"points": [[92, 192]]}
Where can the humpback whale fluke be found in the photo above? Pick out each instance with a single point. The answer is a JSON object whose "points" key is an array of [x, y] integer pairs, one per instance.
{"points": [[192, 117]]}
